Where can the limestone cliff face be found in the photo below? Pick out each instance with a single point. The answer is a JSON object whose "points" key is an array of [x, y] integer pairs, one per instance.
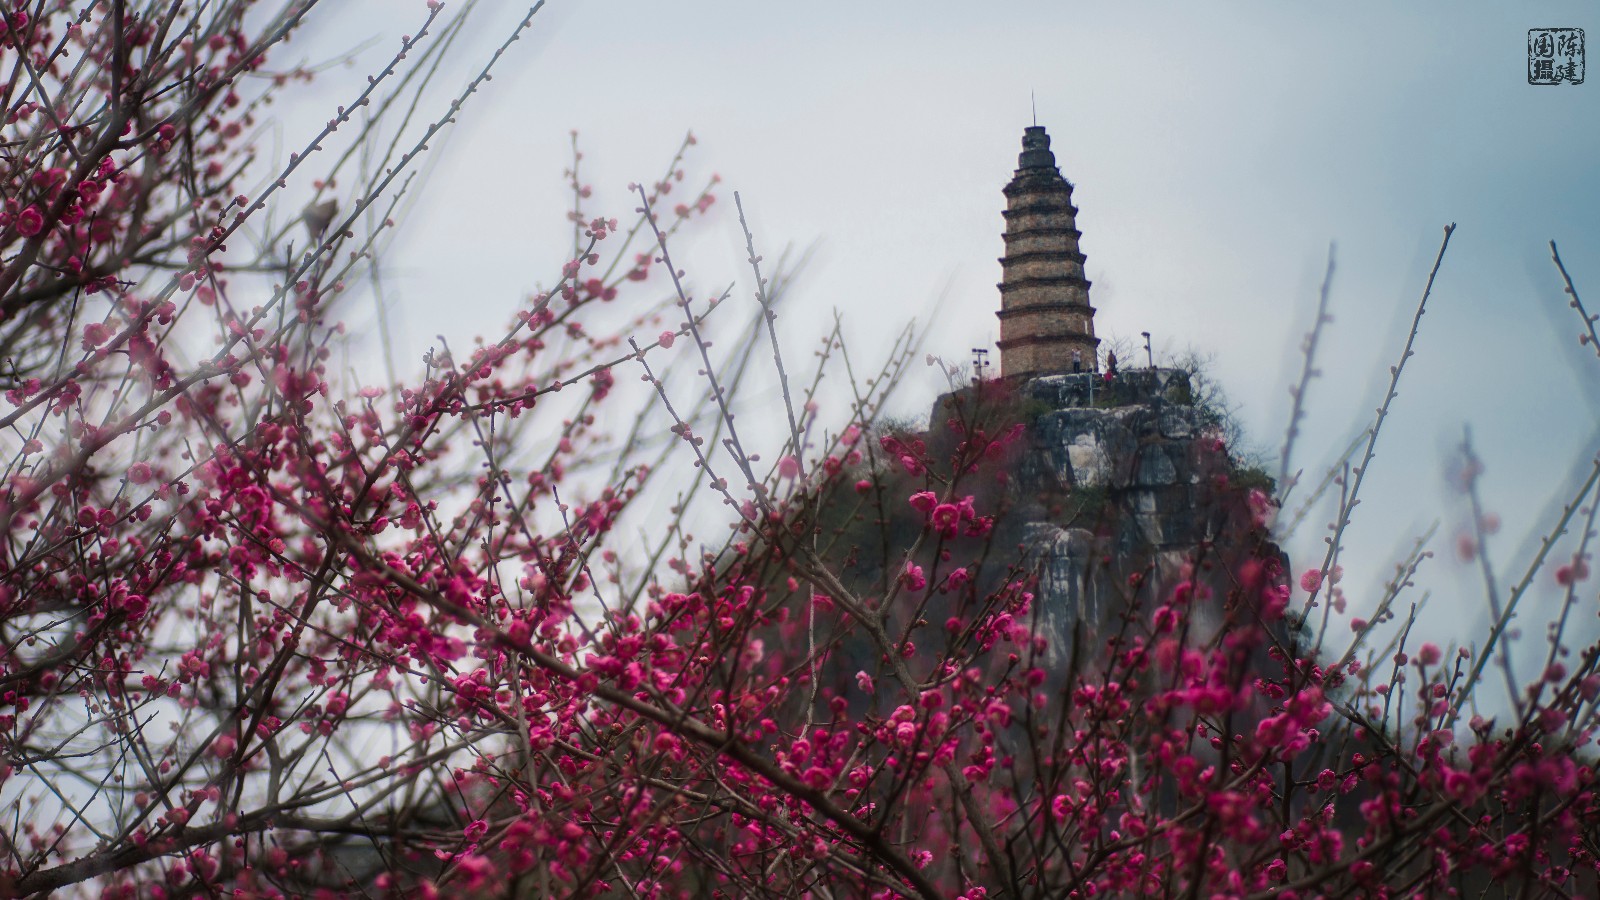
{"points": [[1122, 491]]}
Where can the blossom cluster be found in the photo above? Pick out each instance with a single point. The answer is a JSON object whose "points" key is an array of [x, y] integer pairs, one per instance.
{"points": [[272, 632]]}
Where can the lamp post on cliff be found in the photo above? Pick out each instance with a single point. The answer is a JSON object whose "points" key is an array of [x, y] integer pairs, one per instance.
{"points": [[1148, 353]]}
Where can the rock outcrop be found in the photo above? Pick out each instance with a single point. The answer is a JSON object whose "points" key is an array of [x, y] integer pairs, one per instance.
{"points": [[1120, 491]]}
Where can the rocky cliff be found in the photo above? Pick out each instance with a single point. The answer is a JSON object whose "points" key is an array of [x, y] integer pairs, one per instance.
{"points": [[1121, 491]]}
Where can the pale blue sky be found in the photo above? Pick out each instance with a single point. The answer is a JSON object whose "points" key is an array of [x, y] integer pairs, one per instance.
{"points": [[1216, 149]]}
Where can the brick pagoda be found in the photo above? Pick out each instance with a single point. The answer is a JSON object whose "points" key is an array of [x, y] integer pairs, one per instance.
{"points": [[1046, 322]]}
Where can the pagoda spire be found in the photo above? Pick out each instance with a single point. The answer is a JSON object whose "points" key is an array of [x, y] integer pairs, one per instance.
{"points": [[1046, 322]]}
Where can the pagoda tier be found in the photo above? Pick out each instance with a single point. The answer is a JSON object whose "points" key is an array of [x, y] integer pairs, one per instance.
{"points": [[1046, 322]]}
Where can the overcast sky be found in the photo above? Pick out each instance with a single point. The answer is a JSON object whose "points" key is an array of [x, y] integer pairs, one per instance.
{"points": [[1216, 151]]}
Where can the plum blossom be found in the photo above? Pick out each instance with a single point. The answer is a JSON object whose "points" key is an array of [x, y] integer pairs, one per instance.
{"points": [[1311, 580], [30, 222], [914, 578], [1429, 654]]}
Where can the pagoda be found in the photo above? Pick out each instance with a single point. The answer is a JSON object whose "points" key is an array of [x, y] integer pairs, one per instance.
{"points": [[1046, 322]]}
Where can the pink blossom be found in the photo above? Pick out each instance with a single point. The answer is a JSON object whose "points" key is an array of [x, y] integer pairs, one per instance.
{"points": [[1311, 580], [1573, 572], [667, 339], [30, 222], [1061, 808], [1590, 687], [1552, 719], [95, 334], [134, 606], [915, 580], [905, 734]]}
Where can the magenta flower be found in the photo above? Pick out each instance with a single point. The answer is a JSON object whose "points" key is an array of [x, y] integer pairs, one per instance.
{"points": [[1311, 580], [914, 578], [789, 467], [30, 222]]}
